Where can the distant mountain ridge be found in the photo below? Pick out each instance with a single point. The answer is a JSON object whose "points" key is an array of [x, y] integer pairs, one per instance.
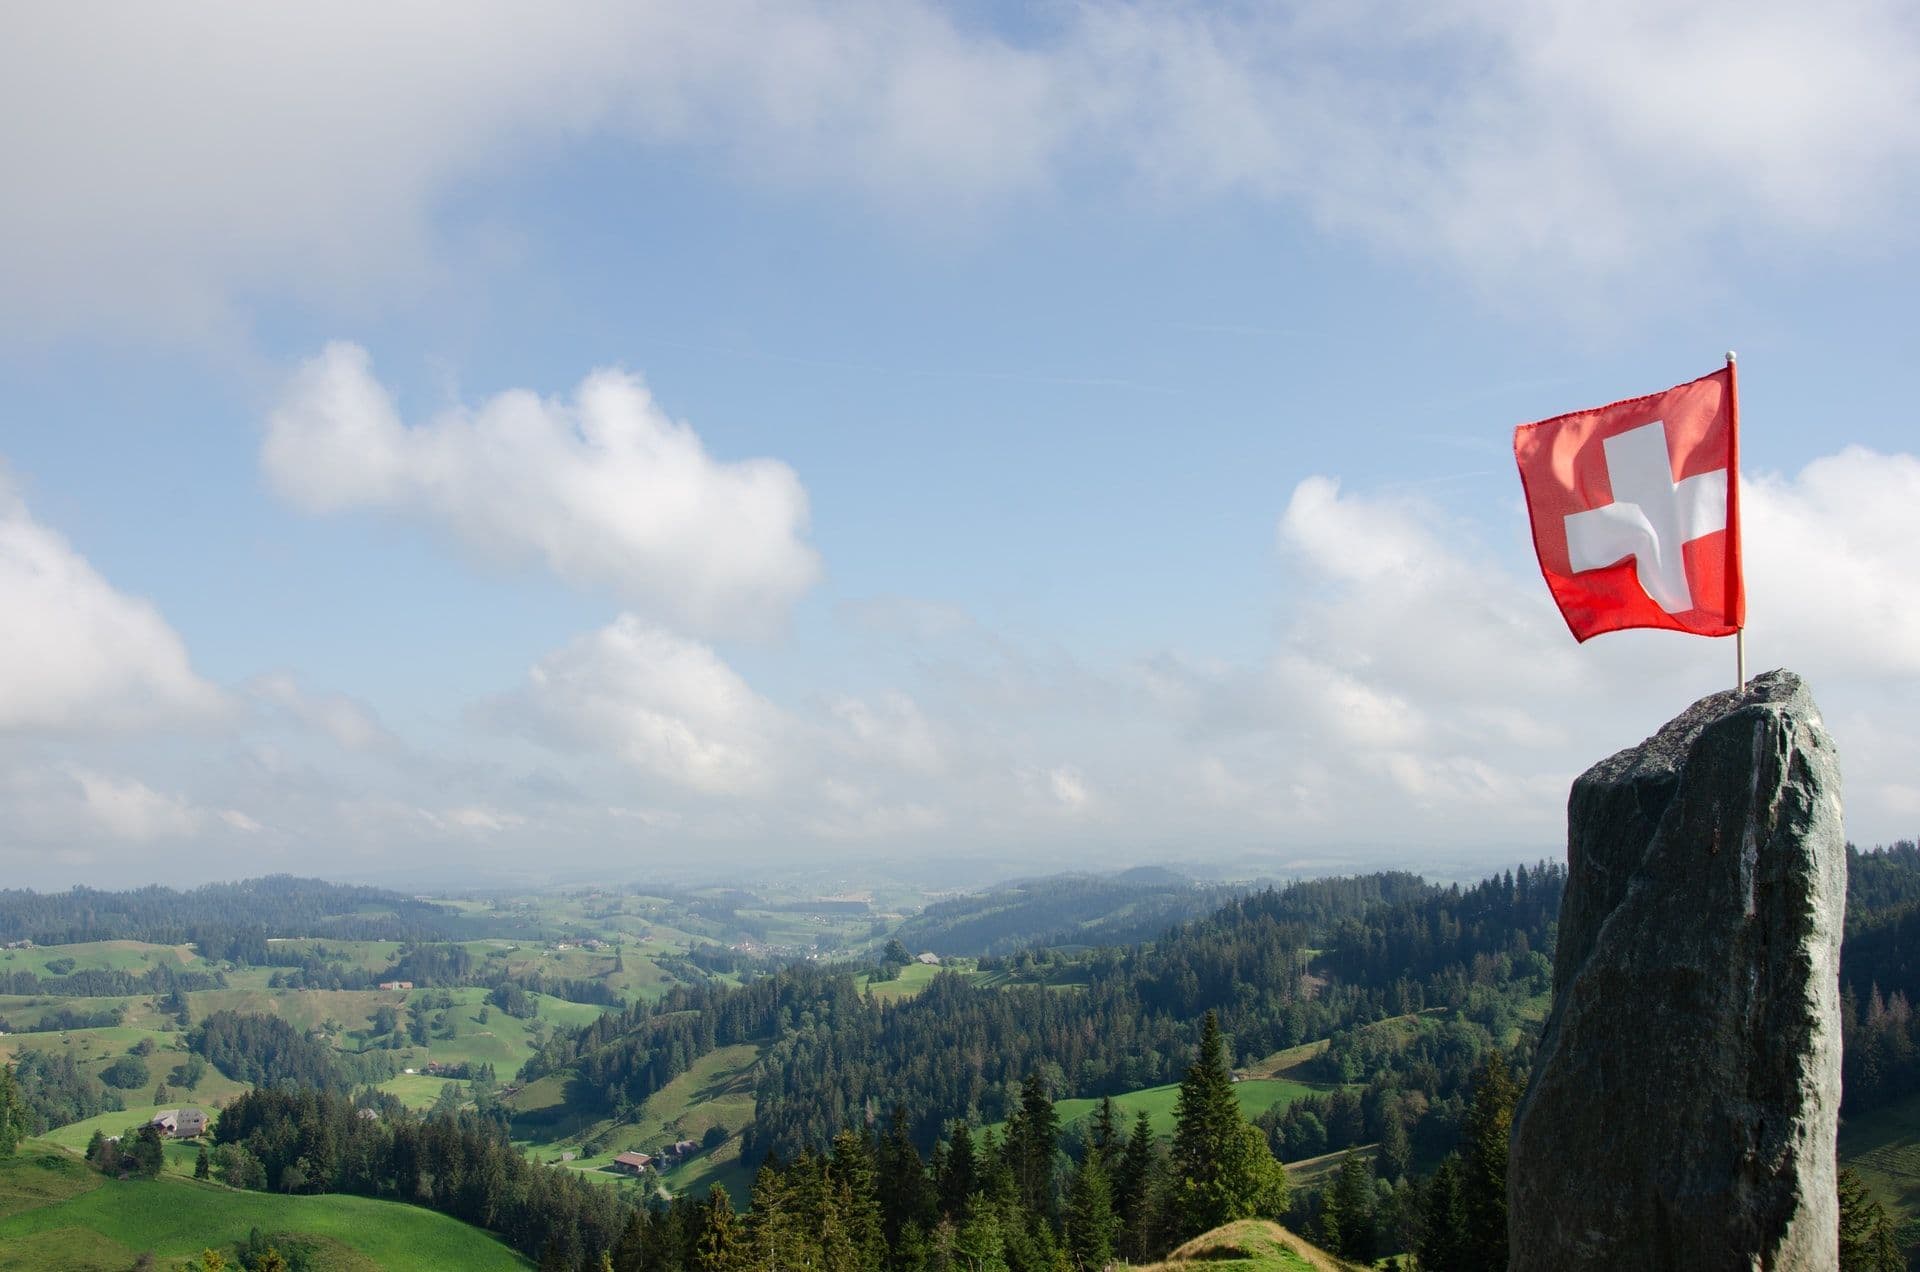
{"points": [[1065, 909]]}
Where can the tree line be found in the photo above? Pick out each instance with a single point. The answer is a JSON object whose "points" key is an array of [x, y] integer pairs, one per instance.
{"points": [[222, 918]]}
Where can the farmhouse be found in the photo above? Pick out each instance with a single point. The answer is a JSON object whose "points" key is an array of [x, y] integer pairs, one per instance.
{"points": [[930, 959], [632, 1163], [396, 984], [181, 1123]]}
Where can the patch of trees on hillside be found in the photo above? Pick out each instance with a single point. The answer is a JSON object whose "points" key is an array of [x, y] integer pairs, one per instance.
{"points": [[53, 1091], [266, 1051], [1078, 909], [102, 983]]}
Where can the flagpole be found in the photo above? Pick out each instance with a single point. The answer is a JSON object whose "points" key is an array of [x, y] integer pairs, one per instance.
{"points": [[1733, 499]]}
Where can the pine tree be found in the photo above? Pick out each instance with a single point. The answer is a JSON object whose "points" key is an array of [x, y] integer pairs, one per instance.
{"points": [[856, 1197], [1868, 1241], [1443, 1236], [960, 1176], [1222, 1168], [906, 1196], [149, 1154], [1030, 1153], [1133, 1193], [721, 1243], [1396, 1150], [13, 1113], [1104, 1135], [1483, 1181], [1091, 1226], [203, 1165], [1347, 1223]]}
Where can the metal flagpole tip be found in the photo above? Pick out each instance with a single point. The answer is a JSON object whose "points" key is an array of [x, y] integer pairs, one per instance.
{"points": [[1730, 355]]}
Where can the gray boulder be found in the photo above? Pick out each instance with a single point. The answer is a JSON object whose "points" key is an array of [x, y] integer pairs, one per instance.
{"points": [[1686, 1093]]}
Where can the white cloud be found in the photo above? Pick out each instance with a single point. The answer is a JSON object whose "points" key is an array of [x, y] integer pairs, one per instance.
{"points": [[72, 805], [77, 656], [1069, 788], [667, 706], [352, 725], [604, 489], [1832, 569], [130, 809], [1526, 142], [892, 731]]}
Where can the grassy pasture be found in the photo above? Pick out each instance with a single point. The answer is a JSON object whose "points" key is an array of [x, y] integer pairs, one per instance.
{"points": [[98, 956], [419, 1090], [75, 1135], [1250, 1245], [913, 978], [137, 1010], [53, 1204], [306, 1009], [372, 956], [1256, 1096]]}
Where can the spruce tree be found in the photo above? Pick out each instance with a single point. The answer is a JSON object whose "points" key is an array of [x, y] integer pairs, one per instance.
{"points": [[1347, 1223], [906, 1197], [1104, 1134], [1091, 1225], [1483, 1181], [1133, 1190], [13, 1113], [960, 1176], [720, 1246], [1222, 1168], [1443, 1222], [1031, 1155], [1868, 1241], [855, 1194]]}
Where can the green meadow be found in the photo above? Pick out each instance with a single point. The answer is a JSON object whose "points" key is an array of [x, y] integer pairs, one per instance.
{"points": [[913, 978], [1256, 1096], [56, 1212], [98, 956]]}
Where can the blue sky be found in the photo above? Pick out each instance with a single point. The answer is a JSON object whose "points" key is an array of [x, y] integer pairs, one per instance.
{"points": [[661, 439]]}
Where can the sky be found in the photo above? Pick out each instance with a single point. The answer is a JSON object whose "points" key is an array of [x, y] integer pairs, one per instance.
{"points": [[648, 440]]}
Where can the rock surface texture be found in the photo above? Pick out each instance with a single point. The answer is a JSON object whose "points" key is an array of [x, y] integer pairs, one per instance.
{"points": [[1686, 1093]]}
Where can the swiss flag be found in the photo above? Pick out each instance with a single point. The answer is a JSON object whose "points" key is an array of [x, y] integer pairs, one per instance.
{"points": [[1636, 510]]}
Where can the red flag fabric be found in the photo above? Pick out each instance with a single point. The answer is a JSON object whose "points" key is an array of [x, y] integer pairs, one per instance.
{"points": [[1636, 510]]}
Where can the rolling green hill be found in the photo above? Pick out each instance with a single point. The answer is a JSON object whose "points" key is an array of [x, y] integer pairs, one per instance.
{"points": [[56, 1212], [1251, 1245]]}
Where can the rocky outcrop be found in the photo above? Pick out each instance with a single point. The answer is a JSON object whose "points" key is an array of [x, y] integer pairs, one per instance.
{"points": [[1686, 1092]]}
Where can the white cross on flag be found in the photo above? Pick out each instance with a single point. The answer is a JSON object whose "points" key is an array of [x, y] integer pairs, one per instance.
{"points": [[1636, 510]]}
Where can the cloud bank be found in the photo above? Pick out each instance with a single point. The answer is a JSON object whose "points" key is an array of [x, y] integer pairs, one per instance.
{"points": [[1525, 144], [604, 489]]}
